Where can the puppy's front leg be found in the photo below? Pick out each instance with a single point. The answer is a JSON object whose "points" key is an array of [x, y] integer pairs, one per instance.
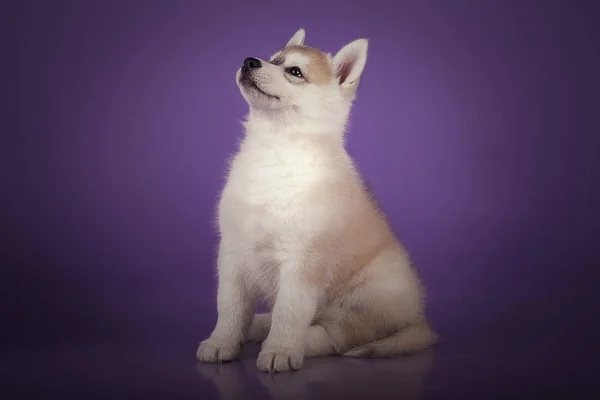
{"points": [[235, 306], [294, 310]]}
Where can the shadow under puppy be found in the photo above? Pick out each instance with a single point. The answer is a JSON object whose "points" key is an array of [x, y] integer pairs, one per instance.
{"points": [[300, 231]]}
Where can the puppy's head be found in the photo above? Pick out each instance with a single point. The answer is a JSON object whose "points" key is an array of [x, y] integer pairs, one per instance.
{"points": [[302, 78]]}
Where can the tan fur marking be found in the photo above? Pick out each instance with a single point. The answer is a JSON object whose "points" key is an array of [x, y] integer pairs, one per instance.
{"points": [[319, 71]]}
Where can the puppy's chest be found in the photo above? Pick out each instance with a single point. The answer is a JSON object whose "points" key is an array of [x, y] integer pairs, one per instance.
{"points": [[273, 184]]}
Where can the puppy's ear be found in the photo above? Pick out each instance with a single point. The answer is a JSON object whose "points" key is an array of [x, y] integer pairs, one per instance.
{"points": [[349, 64], [297, 39]]}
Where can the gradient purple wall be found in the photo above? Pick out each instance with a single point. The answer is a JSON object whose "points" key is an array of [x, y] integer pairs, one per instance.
{"points": [[476, 124]]}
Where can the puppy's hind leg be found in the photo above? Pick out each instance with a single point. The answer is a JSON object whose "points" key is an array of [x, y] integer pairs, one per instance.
{"points": [[318, 342], [259, 328]]}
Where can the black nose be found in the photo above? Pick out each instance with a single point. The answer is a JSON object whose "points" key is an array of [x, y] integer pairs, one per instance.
{"points": [[251, 63]]}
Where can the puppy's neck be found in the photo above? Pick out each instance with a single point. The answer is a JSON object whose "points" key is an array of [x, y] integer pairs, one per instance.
{"points": [[270, 124]]}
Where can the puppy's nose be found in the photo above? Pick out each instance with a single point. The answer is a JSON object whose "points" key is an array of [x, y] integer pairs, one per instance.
{"points": [[251, 63]]}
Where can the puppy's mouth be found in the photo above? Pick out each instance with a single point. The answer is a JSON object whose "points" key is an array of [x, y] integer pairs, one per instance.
{"points": [[250, 84]]}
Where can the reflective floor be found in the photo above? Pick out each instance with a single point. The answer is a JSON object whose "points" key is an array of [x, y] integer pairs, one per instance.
{"points": [[491, 363]]}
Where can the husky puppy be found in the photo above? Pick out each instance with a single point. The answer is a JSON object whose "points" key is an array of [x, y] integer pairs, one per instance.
{"points": [[300, 231]]}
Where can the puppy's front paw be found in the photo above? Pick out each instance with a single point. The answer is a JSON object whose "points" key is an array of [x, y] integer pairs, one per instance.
{"points": [[279, 360], [216, 351]]}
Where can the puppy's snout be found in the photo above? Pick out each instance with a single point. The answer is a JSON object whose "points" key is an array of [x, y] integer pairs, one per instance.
{"points": [[251, 63]]}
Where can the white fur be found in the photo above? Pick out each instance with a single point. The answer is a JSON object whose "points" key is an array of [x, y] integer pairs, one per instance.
{"points": [[291, 197]]}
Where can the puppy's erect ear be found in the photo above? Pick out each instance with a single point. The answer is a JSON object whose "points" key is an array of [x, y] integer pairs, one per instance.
{"points": [[297, 39], [349, 64]]}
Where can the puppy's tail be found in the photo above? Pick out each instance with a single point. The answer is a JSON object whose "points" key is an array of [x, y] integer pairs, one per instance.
{"points": [[413, 338]]}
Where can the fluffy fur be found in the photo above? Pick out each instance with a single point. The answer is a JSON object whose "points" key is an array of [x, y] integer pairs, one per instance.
{"points": [[300, 231]]}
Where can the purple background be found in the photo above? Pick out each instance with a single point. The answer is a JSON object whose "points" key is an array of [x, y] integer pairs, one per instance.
{"points": [[476, 124]]}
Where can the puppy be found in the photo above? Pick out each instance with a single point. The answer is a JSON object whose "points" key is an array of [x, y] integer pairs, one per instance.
{"points": [[300, 231]]}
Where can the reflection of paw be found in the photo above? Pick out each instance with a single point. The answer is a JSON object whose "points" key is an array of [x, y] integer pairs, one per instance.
{"points": [[216, 351], [226, 376], [229, 379], [279, 360]]}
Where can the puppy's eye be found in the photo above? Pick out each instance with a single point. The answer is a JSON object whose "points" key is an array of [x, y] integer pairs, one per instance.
{"points": [[295, 71]]}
